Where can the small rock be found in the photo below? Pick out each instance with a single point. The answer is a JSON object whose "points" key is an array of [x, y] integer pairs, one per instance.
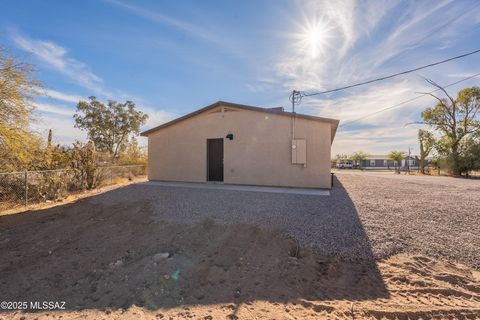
{"points": [[160, 256], [116, 264]]}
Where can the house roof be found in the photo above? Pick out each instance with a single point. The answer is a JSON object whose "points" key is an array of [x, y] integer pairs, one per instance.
{"points": [[384, 157], [376, 157], [278, 111]]}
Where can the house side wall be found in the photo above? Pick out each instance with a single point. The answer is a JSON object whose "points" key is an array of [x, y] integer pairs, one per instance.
{"points": [[259, 154]]}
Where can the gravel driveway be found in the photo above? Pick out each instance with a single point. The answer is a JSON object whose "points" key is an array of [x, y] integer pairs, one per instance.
{"points": [[367, 215]]}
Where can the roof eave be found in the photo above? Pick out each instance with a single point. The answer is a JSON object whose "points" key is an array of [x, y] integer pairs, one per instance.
{"points": [[335, 122]]}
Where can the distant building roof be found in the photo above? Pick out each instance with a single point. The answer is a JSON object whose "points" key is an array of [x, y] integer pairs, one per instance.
{"points": [[384, 157]]}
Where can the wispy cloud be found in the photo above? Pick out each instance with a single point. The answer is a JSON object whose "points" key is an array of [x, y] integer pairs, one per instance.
{"points": [[62, 96], [375, 140], [156, 117], [188, 28], [195, 31], [376, 132], [53, 109], [62, 126], [56, 57], [461, 75], [368, 102]]}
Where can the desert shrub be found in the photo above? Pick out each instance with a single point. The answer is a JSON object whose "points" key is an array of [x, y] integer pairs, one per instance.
{"points": [[47, 186], [12, 188], [86, 174], [134, 154]]}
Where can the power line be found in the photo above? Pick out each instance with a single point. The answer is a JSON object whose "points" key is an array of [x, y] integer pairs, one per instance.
{"points": [[409, 100], [392, 75]]}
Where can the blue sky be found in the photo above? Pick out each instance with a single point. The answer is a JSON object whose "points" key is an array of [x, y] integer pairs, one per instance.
{"points": [[173, 57]]}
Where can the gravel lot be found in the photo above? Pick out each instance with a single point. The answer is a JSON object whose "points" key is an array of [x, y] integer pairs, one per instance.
{"points": [[368, 215]]}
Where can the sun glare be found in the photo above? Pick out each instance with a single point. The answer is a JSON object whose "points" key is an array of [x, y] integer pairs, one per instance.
{"points": [[315, 38]]}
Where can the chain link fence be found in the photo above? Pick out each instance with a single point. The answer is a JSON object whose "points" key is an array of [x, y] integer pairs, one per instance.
{"points": [[26, 188]]}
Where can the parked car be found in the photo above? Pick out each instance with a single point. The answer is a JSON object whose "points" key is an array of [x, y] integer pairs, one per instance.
{"points": [[345, 165]]}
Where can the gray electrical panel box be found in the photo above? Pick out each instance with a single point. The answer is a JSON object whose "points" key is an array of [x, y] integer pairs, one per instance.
{"points": [[299, 151]]}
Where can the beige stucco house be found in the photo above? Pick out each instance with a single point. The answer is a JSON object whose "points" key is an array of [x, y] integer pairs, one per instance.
{"points": [[239, 144]]}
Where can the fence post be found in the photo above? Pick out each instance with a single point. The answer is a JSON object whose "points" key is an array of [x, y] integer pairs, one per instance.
{"points": [[26, 189]]}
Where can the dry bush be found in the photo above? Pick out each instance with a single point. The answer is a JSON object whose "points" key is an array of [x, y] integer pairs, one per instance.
{"points": [[84, 164], [48, 185], [12, 189]]}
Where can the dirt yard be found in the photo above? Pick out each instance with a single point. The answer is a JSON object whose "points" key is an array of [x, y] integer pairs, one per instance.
{"points": [[380, 247]]}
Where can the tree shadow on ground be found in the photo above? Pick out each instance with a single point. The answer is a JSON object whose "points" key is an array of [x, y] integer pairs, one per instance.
{"points": [[131, 246]]}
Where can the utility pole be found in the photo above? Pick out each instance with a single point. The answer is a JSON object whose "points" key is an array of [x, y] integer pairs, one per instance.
{"points": [[295, 97], [293, 115], [294, 93], [408, 159]]}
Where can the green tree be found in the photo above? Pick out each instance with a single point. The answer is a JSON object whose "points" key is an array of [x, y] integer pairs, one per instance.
{"points": [[20, 148], [456, 119], [470, 155], [397, 156], [109, 126], [17, 88], [427, 143], [358, 157]]}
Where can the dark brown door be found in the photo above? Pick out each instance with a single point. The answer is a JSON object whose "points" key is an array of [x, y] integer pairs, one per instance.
{"points": [[215, 159]]}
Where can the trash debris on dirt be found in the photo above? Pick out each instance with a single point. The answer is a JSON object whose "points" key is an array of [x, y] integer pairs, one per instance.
{"points": [[175, 275]]}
